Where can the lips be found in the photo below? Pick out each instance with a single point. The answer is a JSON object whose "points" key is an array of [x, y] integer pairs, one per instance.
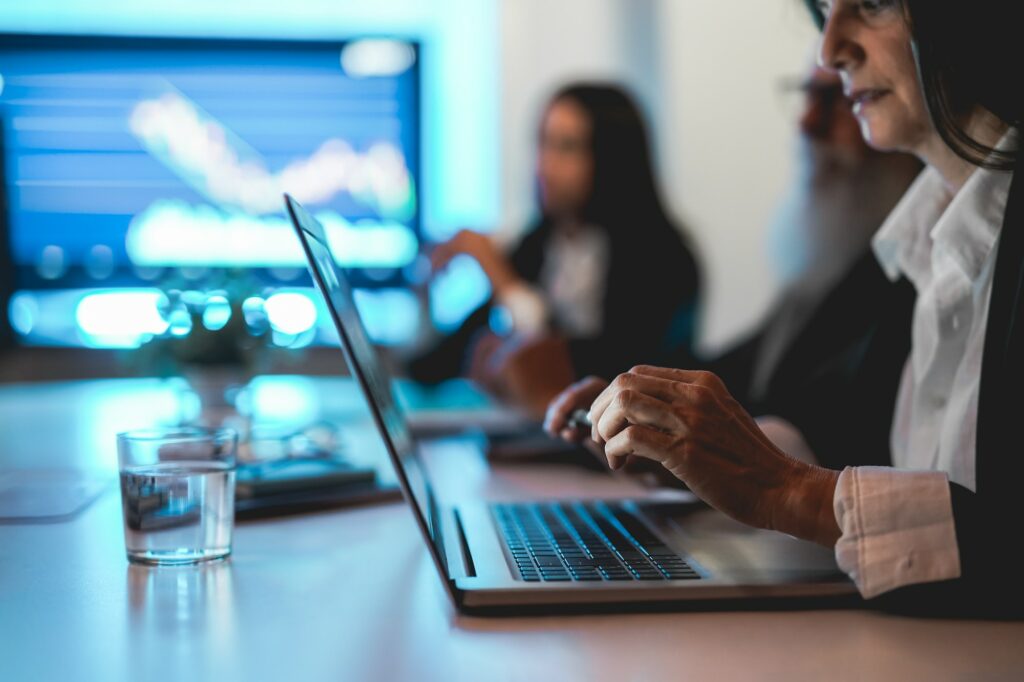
{"points": [[864, 97]]}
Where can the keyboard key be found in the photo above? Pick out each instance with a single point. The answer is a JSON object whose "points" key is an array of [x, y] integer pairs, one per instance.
{"points": [[589, 539]]}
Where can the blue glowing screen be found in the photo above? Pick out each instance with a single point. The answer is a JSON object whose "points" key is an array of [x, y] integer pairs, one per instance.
{"points": [[132, 165]]}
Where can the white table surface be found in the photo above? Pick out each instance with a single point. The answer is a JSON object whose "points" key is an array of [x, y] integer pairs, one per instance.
{"points": [[352, 594]]}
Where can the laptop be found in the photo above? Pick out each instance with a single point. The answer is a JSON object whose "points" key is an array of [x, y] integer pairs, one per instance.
{"points": [[575, 554]]}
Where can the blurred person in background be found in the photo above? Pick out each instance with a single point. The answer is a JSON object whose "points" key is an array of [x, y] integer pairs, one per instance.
{"points": [[603, 277], [825, 314]]}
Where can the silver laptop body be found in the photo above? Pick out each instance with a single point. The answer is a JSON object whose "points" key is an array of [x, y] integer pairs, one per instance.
{"points": [[486, 552]]}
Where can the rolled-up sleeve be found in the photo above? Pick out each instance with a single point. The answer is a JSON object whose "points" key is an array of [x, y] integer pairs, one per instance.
{"points": [[897, 528]]}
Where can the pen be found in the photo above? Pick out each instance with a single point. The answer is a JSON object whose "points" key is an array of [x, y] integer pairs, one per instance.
{"points": [[580, 420]]}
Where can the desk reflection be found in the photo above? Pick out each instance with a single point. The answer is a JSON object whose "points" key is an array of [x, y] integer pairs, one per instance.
{"points": [[180, 598]]}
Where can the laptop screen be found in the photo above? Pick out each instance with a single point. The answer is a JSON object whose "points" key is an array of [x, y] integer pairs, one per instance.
{"points": [[365, 365]]}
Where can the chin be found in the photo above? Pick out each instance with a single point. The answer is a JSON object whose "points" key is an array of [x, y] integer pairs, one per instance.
{"points": [[879, 135]]}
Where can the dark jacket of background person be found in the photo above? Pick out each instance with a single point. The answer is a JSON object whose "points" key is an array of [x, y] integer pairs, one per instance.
{"points": [[652, 280], [650, 305], [838, 378]]}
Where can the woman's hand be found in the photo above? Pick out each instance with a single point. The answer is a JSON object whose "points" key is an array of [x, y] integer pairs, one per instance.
{"points": [[689, 423], [494, 264]]}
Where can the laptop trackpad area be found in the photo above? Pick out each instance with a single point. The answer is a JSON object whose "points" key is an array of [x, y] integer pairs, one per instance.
{"points": [[736, 552]]}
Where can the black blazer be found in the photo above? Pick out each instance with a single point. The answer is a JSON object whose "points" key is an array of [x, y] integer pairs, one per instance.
{"points": [[649, 305], [988, 520]]}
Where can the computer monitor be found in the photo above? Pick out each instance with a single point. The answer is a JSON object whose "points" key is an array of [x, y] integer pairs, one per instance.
{"points": [[134, 164]]}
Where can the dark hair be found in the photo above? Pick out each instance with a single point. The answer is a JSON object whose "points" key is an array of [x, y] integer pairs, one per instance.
{"points": [[623, 189], [967, 55]]}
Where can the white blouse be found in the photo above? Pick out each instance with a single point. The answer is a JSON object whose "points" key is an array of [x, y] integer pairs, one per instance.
{"points": [[897, 522], [570, 290]]}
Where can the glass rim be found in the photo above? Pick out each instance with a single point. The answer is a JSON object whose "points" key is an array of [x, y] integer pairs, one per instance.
{"points": [[177, 434]]}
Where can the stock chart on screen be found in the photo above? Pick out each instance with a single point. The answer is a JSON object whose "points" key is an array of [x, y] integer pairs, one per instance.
{"points": [[134, 166]]}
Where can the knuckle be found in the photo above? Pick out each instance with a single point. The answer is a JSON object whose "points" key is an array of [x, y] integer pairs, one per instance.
{"points": [[709, 379]]}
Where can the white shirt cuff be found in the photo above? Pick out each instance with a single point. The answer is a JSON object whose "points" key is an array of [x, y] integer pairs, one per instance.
{"points": [[897, 528], [527, 308]]}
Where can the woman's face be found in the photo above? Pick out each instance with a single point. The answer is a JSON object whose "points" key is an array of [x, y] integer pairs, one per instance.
{"points": [[868, 43], [564, 162]]}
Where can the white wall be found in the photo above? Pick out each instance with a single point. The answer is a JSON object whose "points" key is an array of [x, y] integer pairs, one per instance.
{"points": [[707, 72]]}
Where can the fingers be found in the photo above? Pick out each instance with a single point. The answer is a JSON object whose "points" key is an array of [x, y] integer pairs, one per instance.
{"points": [[655, 387], [688, 376], [441, 255], [580, 395], [639, 441], [632, 407]]}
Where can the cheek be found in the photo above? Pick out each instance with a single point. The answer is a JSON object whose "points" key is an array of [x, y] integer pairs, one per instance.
{"points": [[583, 175]]}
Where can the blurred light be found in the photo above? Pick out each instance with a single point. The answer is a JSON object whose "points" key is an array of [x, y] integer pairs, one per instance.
{"points": [[120, 318], [418, 271], [193, 299], [500, 320], [148, 273], [457, 291], [255, 313], [290, 312], [293, 341], [172, 232], [366, 58], [1, 84], [99, 262], [391, 316], [51, 262], [179, 321], [193, 273], [278, 398], [217, 312], [286, 274], [23, 310]]}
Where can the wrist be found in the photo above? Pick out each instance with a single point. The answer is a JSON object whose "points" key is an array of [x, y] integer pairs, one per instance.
{"points": [[805, 506]]}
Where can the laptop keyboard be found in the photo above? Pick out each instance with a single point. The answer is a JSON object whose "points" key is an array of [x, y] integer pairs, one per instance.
{"points": [[589, 541]]}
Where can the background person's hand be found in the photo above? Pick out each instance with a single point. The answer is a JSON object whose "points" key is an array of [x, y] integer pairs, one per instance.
{"points": [[483, 249], [578, 396], [481, 361], [689, 423], [524, 371], [533, 370]]}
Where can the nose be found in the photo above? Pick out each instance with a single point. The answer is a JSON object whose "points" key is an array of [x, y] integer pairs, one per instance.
{"points": [[839, 49]]}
